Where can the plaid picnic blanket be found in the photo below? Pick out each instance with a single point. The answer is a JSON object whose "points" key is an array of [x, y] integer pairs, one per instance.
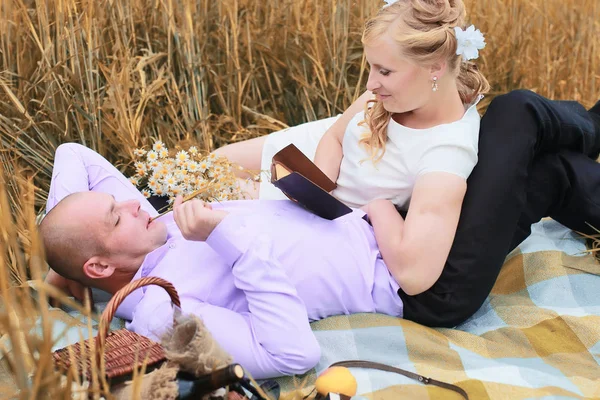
{"points": [[536, 336]]}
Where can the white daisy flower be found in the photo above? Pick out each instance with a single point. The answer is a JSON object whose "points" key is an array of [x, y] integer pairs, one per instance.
{"points": [[152, 156], [139, 152], [170, 181], [159, 145], [163, 171], [154, 164], [199, 182], [153, 186], [176, 190], [182, 156], [203, 166], [142, 172], [192, 166], [156, 175]]}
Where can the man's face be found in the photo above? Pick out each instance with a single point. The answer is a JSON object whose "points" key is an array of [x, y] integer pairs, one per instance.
{"points": [[400, 85], [122, 227]]}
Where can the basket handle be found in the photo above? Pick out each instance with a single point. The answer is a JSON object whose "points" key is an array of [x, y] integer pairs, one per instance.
{"points": [[118, 298]]}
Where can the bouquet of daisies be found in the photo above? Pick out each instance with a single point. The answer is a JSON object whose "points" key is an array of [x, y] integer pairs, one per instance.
{"points": [[164, 173]]}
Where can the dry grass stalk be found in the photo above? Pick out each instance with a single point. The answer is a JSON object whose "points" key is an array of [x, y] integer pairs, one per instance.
{"points": [[28, 356]]}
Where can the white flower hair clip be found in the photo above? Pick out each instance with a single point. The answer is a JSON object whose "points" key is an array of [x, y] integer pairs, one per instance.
{"points": [[470, 41], [388, 3]]}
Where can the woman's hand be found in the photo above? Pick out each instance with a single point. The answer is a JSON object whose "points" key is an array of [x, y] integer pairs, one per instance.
{"points": [[196, 219]]}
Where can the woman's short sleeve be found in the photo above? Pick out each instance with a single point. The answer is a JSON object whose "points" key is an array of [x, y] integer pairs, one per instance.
{"points": [[455, 154]]}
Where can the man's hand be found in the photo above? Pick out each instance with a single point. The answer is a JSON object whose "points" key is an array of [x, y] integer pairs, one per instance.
{"points": [[196, 219], [70, 287]]}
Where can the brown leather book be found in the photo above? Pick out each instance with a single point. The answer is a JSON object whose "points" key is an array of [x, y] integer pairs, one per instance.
{"points": [[304, 183]]}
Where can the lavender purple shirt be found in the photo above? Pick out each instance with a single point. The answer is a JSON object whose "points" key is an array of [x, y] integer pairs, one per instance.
{"points": [[268, 269]]}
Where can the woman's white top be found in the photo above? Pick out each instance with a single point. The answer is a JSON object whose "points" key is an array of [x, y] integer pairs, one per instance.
{"points": [[409, 154]]}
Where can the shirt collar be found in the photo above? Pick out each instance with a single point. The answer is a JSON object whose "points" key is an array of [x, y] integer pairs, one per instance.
{"points": [[125, 309]]}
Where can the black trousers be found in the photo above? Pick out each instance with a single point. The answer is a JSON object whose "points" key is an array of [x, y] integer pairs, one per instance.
{"points": [[536, 159]]}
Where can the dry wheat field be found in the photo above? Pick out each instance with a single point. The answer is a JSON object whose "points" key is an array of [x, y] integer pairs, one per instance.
{"points": [[117, 75]]}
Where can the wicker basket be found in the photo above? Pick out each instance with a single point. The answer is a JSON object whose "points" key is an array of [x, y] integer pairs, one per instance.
{"points": [[121, 351]]}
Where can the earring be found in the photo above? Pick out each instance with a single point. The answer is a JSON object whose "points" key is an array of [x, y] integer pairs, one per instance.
{"points": [[434, 86]]}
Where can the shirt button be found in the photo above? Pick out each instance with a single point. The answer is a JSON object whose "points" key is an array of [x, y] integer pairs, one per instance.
{"points": [[171, 245]]}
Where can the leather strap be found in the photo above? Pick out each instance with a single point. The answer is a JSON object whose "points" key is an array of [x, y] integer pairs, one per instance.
{"points": [[408, 374]]}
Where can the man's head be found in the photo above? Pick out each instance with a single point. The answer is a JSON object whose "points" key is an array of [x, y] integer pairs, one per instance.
{"points": [[88, 237]]}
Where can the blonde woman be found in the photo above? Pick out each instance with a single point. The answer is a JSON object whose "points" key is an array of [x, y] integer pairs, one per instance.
{"points": [[410, 142], [410, 138]]}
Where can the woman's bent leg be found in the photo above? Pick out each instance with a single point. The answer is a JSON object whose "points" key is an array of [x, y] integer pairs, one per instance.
{"points": [[247, 154], [249, 188], [566, 187], [580, 208], [255, 155], [516, 128]]}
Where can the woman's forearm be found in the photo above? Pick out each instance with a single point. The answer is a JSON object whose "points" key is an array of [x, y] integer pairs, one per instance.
{"points": [[329, 151], [399, 258], [388, 226], [329, 156], [415, 250]]}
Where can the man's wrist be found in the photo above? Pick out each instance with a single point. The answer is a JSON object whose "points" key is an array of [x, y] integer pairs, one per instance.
{"points": [[214, 220], [223, 241]]}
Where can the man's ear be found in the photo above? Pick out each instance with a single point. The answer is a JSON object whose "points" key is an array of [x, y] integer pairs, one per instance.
{"points": [[98, 268]]}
